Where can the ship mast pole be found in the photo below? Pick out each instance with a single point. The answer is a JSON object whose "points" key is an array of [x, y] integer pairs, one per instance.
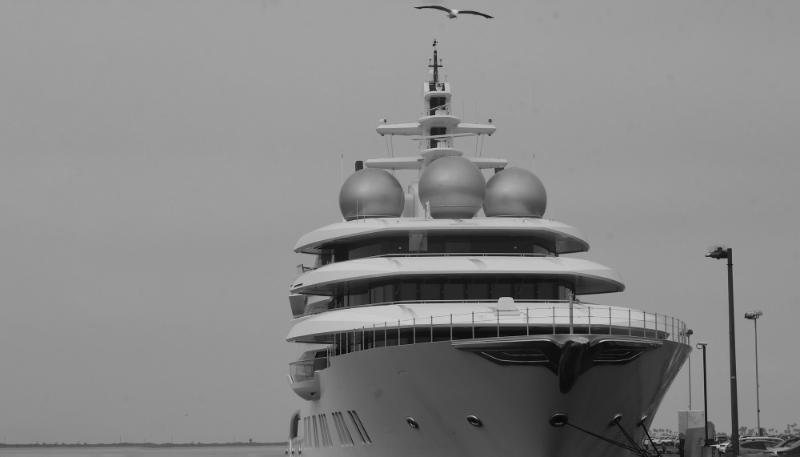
{"points": [[435, 65]]}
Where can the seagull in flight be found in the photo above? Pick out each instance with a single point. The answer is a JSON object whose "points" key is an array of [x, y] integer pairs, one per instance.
{"points": [[452, 14]]}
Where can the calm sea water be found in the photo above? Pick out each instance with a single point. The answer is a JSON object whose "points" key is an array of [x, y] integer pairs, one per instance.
{"points": [[265, 451]]}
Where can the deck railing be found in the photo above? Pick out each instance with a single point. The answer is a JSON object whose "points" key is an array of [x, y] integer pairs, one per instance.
{"points": [[303, 370], [572, 318]]}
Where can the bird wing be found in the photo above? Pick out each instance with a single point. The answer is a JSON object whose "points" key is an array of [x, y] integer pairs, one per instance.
{"points": [[436, 7], [475, 13]]}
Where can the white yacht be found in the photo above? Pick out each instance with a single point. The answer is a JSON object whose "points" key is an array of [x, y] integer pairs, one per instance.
{"points": [[443, 319]]}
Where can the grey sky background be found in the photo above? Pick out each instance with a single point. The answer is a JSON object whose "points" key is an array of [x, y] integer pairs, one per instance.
{"points": [[158, 161]]}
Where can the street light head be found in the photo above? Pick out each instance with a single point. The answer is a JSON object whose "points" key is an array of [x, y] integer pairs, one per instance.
{"points": [[753, 315], [701, 345], [689, 332], [718, 252]]}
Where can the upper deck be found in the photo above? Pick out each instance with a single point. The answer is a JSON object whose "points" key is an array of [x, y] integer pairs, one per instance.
{"points": [[562, 238]]}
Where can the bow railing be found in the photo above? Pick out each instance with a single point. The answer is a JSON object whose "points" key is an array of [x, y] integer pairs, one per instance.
{"points": [[563, 318]]}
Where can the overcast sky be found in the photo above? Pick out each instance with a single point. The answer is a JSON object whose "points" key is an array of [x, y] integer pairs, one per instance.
{"points": [[159, 160]]}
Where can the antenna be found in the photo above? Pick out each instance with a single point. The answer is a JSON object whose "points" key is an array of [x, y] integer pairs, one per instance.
{"points": [[341, 129], [436, 63]]}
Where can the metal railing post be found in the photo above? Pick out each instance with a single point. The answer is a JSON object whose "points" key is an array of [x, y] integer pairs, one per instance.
{"points": [[571, 315], [655, 325], [473, 325]]}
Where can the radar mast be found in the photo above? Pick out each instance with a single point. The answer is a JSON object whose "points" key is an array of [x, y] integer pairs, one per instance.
{"points": [[437, 64]]}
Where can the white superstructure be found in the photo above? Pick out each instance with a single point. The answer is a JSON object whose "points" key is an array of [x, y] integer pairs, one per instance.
{"points": [[426, 331]]}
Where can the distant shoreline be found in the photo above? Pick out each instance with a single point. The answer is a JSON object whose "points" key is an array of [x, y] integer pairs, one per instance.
{"points": [[139, 445]]}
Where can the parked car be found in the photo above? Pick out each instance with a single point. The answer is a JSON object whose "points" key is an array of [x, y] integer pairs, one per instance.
{"points": [[754, 445], [785, 444], [794, 449], [720, 446], [669, 445]]}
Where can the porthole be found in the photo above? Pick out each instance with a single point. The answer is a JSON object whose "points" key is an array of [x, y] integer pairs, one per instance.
{"points": [[411, 422], [474, 421], [558, 420]]}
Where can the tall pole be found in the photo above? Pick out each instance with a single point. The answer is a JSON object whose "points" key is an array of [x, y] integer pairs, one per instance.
{"points": [[754, 317], [720, 253], [758, 406], [690, 378], [734, 389], [689, 334], [705, 396]]}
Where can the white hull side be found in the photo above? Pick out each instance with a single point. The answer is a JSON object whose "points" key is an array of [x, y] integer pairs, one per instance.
{"points": [[439, 385]]}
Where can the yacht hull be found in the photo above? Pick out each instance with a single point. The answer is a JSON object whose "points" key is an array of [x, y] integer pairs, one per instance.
{"points": [[439, 385]]}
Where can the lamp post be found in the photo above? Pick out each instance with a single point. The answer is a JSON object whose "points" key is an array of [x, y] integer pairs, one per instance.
{"points": [[722, 253], [705, 391], [754, 317], [689, 334]]}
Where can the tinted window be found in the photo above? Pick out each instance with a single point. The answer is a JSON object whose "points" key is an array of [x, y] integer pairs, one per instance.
{"points": [[501, 289], [455, 290], [407, 291], [478, 290], [436, 244], [526, 290], [431, 290], [441, 287]]}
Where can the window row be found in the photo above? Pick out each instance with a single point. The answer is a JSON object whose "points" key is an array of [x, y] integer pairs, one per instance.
{"points": [[436, 244], [444, 287]]}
